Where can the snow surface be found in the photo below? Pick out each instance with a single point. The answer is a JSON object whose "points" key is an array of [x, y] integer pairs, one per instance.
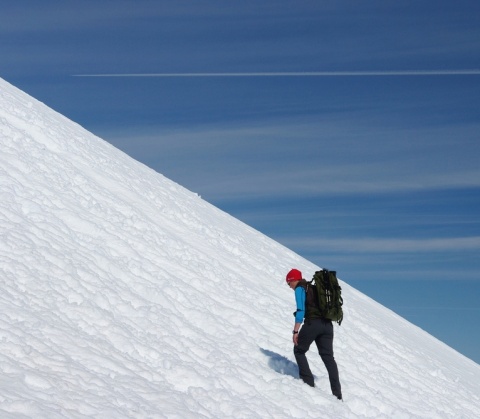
{"points": [[124, 295]]}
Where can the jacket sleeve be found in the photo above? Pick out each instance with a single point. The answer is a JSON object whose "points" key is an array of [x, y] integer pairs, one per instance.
{"points": [[300, 297]]}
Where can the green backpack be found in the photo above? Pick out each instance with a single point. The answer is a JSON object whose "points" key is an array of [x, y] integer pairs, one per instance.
{"points": [[329, 295]]}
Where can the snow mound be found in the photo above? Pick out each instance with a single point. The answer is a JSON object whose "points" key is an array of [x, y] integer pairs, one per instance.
{"points": [[124, 295]]}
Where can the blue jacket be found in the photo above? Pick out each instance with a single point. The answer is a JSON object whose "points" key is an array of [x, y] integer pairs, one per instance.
{"points": [[300, 297]]}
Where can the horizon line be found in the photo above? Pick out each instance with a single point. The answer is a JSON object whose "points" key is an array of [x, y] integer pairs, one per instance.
{"points": [[297, 74]]}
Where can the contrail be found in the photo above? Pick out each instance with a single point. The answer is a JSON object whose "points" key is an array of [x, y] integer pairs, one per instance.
{"points": [[471, 72]]}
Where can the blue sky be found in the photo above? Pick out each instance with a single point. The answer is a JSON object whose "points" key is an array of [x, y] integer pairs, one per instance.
{"points": [[372, 170]]}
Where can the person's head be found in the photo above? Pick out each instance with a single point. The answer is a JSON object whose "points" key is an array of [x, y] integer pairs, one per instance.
{"points": [[293, 278]]}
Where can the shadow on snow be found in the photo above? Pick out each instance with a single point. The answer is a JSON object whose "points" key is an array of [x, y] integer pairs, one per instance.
{"points": [[280, 364]]}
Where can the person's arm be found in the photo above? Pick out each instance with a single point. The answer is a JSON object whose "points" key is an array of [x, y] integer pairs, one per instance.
{"points": [[300, 297]]}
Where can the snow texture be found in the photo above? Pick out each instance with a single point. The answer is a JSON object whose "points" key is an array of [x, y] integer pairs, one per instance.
{"points": [[124, 295]]}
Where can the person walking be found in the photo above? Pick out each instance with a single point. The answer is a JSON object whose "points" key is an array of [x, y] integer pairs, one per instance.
{"points": [[315, 329]]}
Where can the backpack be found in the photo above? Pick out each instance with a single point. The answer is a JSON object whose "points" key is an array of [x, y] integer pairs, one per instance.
{"points": [[328, 295]]}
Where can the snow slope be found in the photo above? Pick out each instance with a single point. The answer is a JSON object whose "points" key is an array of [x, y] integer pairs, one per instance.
{"points": [[124, 295]]}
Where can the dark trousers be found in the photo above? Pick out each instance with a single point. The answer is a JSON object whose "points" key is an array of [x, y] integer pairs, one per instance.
{"points": [[319, 331]]}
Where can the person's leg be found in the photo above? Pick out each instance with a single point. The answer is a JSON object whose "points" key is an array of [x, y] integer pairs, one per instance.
{"points": [[324, 344], [305, 339]]}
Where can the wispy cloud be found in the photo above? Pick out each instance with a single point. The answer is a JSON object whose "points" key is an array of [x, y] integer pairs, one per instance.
{"points": [[386, 245], [439, 308], [459, 72], [54, 16], [345, 153]]}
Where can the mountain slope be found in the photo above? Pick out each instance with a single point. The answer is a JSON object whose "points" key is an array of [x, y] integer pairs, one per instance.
{"points": [[125, 295]]}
